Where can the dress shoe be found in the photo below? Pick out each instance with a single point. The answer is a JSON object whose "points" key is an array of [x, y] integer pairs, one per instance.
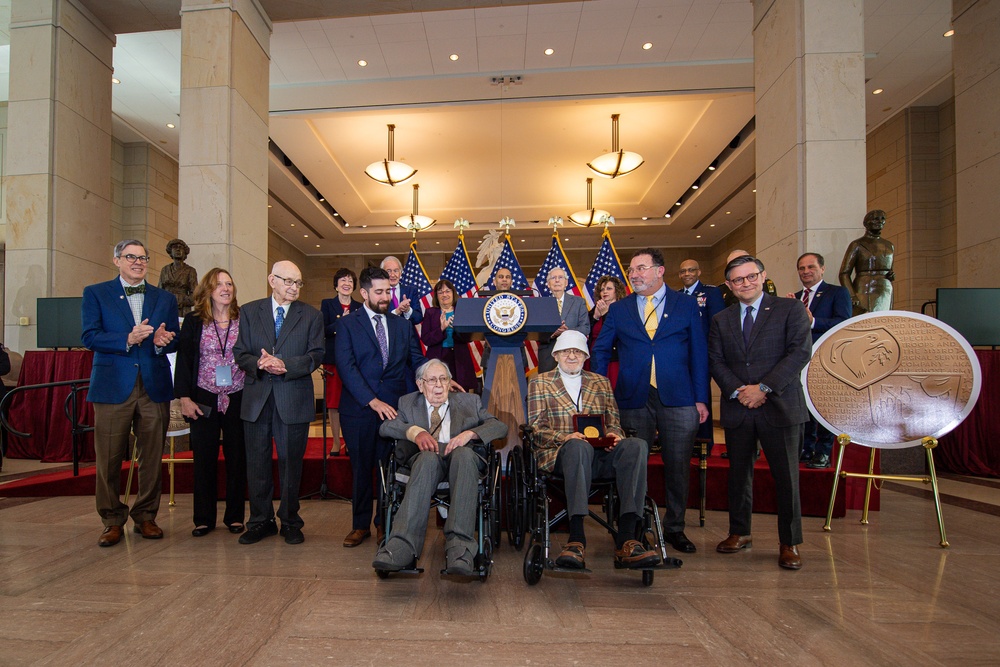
{"points": [[734, 543], [356, 537], [235, 528], [571, 556], [462, 565], [819, 461], [149, 530], [789, 558], [634, 556], [805, 456], [258, 532], [680, 542], [292, 534], [201, 531], [111, 536]]}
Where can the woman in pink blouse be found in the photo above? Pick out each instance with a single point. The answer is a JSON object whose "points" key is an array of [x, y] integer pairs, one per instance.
{"points": [[209, 385]]}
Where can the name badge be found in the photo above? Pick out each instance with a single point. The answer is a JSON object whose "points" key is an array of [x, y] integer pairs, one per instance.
{"points": [[224, 376]]}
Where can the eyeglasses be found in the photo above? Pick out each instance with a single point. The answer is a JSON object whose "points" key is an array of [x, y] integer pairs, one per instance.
{"points": [[440, 380], [750, 277], [135, 259], [557, 277], [572, 352], [638, 269], [393, 272], [289, 282]]}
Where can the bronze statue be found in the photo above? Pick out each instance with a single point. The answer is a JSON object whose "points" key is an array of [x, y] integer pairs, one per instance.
{"points": [[179, 278], [869, 258]]}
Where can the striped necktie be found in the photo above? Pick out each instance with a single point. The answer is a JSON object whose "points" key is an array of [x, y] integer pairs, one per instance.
{"points": [[649, 322]]}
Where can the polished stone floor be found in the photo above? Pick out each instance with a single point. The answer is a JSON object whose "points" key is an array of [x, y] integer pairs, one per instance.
{"points": [[881, 594]]}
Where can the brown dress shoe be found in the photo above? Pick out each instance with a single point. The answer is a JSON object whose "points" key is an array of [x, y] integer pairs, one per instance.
{"points": [[571, 556], [789, 558], [356, 537], [634, 556], [734, 543], [149, 530], [111, 536], [380, 534]]}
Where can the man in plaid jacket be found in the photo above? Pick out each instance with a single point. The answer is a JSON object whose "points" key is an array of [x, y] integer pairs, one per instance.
{"points": [[553, 399]]}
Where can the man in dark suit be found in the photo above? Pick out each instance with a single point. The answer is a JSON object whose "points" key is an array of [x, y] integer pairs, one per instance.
{"points": [[757, 349], [659, 336], [440, 436], [279, 346], [403, 299], [710, 304], [377, 355], [130, 326], [572, 310], [826, 305]]}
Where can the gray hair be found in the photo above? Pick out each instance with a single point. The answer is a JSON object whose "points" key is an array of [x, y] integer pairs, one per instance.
{"points": [[382, 265], [121, 245], [424, 367]]}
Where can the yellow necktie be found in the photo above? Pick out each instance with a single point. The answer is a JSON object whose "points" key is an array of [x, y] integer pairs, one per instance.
{"points": [[559, 304], [649, 321]]}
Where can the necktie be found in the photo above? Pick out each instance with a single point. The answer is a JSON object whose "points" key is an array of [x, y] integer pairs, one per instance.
{"points": [[805, 295], [559, 305], [279, 319], [383, 342], [649, 322], [747, 326], [395, 299], [137, 289], [435, 421]]}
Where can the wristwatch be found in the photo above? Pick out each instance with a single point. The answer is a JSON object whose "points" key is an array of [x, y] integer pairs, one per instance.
{"points": [[764, 388]]}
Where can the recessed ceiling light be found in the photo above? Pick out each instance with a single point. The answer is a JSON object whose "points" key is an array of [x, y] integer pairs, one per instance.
{"points": [[453, 57], [645, 217], [293, 224], [712, 225], [115, 80], [666, 215], [949, 33], [755, 189], [647, 46], [376, 243], [171, 125], [549, 52], [877, 91], [438, 242], [698, 236], [347, 224], [728, 212], [269, 206], [322, 199], [694, 186], [565, 238], [317, 245], [364, 226], [336, 215], [363, 63], [305, 236]]}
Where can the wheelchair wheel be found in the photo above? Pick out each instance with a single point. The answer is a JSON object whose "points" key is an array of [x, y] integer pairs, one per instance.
{"points": [[382, 574], [534, 564], [647, 577], [517, 500], [496, 501]]}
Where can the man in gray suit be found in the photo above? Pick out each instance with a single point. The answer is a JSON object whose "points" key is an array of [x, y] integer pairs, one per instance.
{"points": [[280, 344], [573, 311], [756, 350], [440, 436]]}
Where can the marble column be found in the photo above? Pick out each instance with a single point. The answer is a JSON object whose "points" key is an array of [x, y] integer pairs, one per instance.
{"points": [[809, 88], [58, 166], [222, 207], [976, 63]]}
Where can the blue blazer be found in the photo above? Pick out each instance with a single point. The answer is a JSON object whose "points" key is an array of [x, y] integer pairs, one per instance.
{"points": [[107, 321], [831, 305], [332, 312], [680, 346], [359, 362], [418, 314], [710, 303]]}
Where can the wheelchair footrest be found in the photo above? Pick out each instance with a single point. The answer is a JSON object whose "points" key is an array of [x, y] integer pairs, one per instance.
{"points": [[571, 570]]}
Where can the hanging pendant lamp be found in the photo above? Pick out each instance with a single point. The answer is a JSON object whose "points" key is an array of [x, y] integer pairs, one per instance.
{"points": [[617, 162], [388, 171]]}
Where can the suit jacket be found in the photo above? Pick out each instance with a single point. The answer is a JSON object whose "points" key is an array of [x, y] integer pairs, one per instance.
{"points": [[432, 336], [467, 414], [417, 315], [332, 312], [679, 345], [710, 304], [551, 410], [359, 362], [831, 305], [574, 313], [780, 347], [107, 321], [300, 346]]}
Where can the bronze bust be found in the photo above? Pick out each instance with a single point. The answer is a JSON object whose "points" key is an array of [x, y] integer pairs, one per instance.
{"points": [[179, 278], [869, 258]]}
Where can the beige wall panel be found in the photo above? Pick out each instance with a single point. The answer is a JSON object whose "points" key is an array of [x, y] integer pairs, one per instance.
{"points": [[83, 82], [781, 107], [251, 69], [27, 212], [82, 152], [207, 142], [246, 154], [28, 147], [205, 49], [30, 53], [978, 141], [778, 45], [828, 77]]}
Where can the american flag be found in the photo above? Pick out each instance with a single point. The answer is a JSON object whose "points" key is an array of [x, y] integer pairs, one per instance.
{"points": [[606, 264], [557, 258], [414, 276], [459, 271], [508, 260]]}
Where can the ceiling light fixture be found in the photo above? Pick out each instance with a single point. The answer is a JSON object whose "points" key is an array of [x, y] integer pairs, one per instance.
{"points": [[453, 57], [877, 91], [647, 46], [592, 215], [696, 184], [171, 125], [363, 63], [714, 165], [549, 52], [388, 171], [617, 162], [415, 222], [949, 33], [115, 80]]}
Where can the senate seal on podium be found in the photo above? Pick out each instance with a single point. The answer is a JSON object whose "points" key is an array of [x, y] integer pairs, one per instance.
{"points": [[505, 314]]}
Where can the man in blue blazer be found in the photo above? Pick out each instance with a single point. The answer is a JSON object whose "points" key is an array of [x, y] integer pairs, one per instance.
{"points": [[279, 346], [403, 299], [826, 305], [710, 303], [377, 357], [663, 352], [130, 326]]}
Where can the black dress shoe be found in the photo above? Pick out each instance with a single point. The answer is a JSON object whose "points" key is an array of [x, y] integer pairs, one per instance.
{"points": [[235, 528], [202, 531], [819, 461], [293, 535], [805, 457], [258, 532], [680, 542]]}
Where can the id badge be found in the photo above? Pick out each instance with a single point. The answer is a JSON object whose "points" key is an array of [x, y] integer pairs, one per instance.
{"points": [[224, 376]]}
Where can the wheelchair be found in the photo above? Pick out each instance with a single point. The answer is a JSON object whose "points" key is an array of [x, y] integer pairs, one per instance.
{"points": [[394, 477], [527, 512]]}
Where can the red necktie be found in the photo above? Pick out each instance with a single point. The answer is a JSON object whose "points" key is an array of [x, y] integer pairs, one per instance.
{"points": [[805, 296]]}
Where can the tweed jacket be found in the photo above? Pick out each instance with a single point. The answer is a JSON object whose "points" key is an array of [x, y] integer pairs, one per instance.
{"points": [[551, 410]]}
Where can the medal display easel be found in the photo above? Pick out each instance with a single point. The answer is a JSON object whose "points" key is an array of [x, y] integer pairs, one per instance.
{"points": [[891, 380]]}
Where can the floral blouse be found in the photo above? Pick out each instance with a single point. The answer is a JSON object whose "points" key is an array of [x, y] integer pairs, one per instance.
{"points": [[217, 350]]}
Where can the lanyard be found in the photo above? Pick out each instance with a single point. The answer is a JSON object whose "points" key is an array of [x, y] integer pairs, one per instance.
{"points": [[217, 335], [656, 305], [438, 427]]}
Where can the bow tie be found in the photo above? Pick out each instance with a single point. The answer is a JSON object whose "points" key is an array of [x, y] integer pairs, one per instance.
{"points": [[138, 289]]}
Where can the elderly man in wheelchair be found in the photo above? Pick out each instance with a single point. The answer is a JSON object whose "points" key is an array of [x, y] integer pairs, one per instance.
{"points": [[554, 398], [439, 436]]}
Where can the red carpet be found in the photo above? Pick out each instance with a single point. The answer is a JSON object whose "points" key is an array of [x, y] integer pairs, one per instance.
{"points": [[814, 485]]}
